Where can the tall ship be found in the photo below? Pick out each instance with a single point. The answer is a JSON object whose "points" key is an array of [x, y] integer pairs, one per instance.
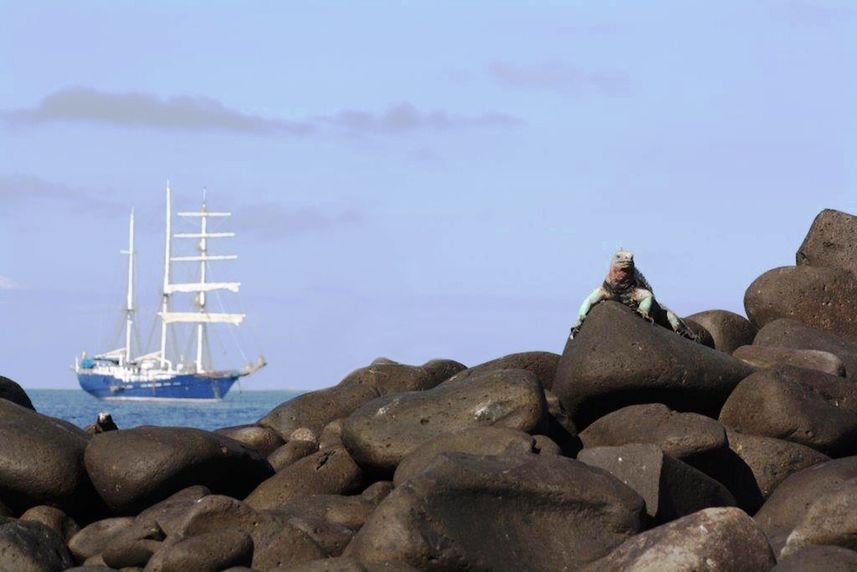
{"points": [[121, 375]]}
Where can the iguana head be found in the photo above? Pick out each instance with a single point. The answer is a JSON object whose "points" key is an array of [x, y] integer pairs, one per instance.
{"points": [[621, 274]]}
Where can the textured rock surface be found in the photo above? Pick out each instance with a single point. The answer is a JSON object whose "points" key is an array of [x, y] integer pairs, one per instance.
{"points": [[216, 550], [799, 405], [811, 558], [546, 513], [619, 359], [11, 391], [331, 471], [263, 440], [712, 539], [54, 519], [41, 461], [32, 546], [790, 501], [135, 468], [825, 298], [94, 538], [831, 519], [794, 334], [381, 433], [671, 488], [727, 329], [166, 515], [477, 441], [291, 452], [542, 364], [770, 356], [831, 241]]}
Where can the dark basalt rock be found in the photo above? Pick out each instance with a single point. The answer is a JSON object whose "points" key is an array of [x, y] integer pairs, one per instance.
{"points": [[442, 369], [542, 364], [135, 468], [798, 405], [32, 546], [381, 433], [167, 515], [96, 537], [131, 553], [331, 471], [824, 298], [276, 542], [53, 518], [516, 512], [619, 359], [831, 241], [216, 550], [11, 391], [811, 558], [685, 436], [331, 435], [831, 519], [391, 377], [790, 502], [263, 440], [728, 330], [41, 461], [345, 564], [330, 520], [560, 427], [290, 453], [671, 488], [794, 334], [771, 356], [476, 441], [711, 539]]}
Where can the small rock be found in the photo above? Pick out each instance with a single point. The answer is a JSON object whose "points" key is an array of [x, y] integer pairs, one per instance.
{"points": [[831, 519], [671, 488], [384, 431], [831, 241], [290, 453], [32, 546], [263, 440], [797, 335], [728, 329], [811, 558], [167, 515], [331, 435], [132, 553], [542, 364], [216, 550], [619, 359], [711, 539], [11, 391], [54, 519], [442, 369], [327, 472], [770, 356], [798, 405], [94, 538]]}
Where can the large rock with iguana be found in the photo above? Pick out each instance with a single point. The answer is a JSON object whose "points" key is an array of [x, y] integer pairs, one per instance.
{"points": [[619, 359], [382, 432], [513, 512]]}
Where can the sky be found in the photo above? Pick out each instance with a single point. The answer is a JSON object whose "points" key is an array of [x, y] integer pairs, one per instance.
{"points": [[408, 179]]}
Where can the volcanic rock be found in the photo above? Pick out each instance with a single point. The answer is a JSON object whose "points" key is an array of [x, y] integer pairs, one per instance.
{"points": [[54, 519], [442, 369], [831, 241], [135, 468], [11, 391], [684, 436], [132, 553], [167, 515], [542, 364], [216, 550], [96, 537], [330, 520], [770, 356], [331, 471], [794, 334], [812, 558], [560, 427], [711, 539], [32, 546], [291, 452], [384, 431], [728, 329], [671, 488], [41, 461], [514, 512], [476, 441], [619, 359], [264, 440], [331, 435], [791, 500], [345, 564], [825, 298], [830, 520], [798, 405]]}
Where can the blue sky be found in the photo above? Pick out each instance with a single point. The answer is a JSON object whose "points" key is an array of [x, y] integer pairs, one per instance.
{"points": [[410, 179]]}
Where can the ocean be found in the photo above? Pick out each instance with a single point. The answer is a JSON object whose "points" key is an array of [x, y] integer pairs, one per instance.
{"points": [[237, 408]]}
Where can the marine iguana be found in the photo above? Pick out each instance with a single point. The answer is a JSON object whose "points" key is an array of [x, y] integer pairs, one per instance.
{"points": [[626, 284]]}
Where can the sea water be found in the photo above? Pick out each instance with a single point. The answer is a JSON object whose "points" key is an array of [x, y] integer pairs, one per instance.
{"points": [[237, 408]]}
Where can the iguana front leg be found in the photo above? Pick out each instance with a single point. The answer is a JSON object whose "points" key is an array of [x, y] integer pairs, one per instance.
{"points": [[597, 295], [645, 299]]}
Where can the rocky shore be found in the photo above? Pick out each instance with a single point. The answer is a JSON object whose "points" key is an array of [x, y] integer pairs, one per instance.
{"points": [[636, 449]]}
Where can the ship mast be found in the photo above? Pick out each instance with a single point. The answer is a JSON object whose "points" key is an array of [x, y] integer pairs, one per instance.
{"points": [[129, 303], [165, 296], [200, 296]]}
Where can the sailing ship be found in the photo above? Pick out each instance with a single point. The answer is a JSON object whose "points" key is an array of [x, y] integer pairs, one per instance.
{"points": [[119, 375]]}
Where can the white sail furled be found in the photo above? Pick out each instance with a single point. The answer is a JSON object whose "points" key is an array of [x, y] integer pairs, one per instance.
{"points": [[204, 235], [201, 318], [202, 287], [203, 258]]}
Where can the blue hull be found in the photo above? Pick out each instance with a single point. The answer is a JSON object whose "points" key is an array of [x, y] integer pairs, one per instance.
{"points": [[189, 386]]}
